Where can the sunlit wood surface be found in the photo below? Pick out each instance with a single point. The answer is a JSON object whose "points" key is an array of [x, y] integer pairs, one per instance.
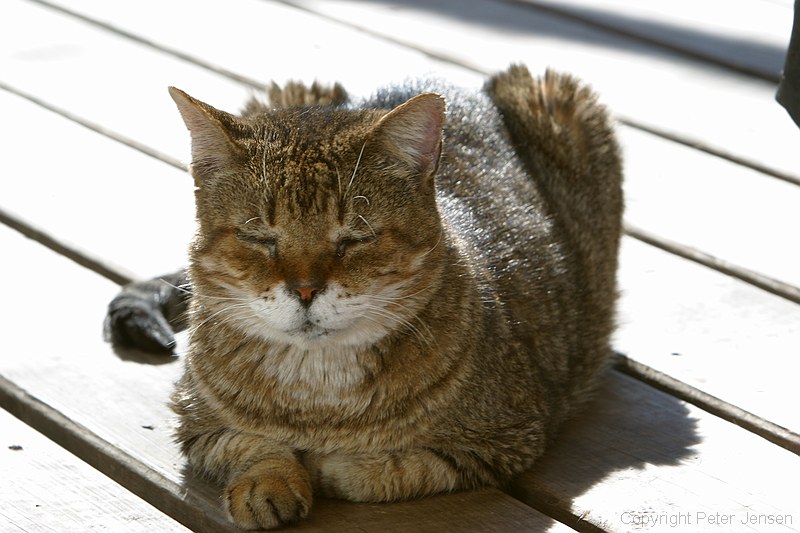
{"points": [[696, 426]]}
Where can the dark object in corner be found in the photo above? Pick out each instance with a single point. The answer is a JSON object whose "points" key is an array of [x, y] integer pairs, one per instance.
{"points": [[789, 87]]}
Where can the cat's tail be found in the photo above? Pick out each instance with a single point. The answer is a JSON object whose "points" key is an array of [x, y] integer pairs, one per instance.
{"points": [[296, 93], [565, 138]]}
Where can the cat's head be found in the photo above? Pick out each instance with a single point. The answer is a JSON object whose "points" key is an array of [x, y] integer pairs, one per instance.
{"points": [[316, 225]]}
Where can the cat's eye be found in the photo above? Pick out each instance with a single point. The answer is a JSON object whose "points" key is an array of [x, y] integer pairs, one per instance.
{"points": [[346, 244], [269, 243]]}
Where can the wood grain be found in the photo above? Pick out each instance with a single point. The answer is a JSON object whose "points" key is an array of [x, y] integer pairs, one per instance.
{"points": [[726, 210], [726, 113], [638, 454], [714, 332], [94, 195], [45, 488]]}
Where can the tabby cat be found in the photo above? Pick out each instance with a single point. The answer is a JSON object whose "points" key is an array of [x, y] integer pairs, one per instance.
{"points": [[388, 300]]}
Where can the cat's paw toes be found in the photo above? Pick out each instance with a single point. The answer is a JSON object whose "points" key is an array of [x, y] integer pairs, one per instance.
{"points": [[266, 497]]}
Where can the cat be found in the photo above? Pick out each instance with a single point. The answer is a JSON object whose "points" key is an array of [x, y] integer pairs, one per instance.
{"points": [[390, 297]]}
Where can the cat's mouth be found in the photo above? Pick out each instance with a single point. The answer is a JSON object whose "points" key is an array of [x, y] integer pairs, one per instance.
{"points": [[312, 331]]}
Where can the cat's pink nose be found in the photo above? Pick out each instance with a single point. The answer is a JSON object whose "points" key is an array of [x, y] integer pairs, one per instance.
{"points": [[306, 293]]}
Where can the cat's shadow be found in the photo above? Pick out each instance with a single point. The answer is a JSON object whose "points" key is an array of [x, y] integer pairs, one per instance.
{"points": [[133, 355], [628, 426]]}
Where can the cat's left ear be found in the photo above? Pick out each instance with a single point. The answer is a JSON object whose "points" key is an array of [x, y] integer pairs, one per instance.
{"points": [[412, 133]]}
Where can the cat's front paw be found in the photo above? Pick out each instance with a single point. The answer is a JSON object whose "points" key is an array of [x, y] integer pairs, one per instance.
{"points": [[271, 494]]}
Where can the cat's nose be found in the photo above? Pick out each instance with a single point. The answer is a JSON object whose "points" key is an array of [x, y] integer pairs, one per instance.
{"points": [[306, 294]]}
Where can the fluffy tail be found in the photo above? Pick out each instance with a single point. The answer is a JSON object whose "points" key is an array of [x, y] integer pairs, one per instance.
{"points": [[296, 93], [566, 140]]}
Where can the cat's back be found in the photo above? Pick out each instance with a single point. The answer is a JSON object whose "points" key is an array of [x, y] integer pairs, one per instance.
{"points": [[530, 186], [482, 184]]}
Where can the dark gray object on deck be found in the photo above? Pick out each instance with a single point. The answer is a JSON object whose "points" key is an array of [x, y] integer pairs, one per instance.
{"points": [[789, 87]]}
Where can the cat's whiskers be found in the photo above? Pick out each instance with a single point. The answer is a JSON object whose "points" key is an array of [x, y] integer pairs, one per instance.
{"points": [[364, 220], [386, 298], [416, 318], [227, 298], [401, 297], [246, 301], [355, 171], [395, 301], [181, 288], [219, 313], [228, 312], [425, 337], [381, 326], [243, 319], [438, 241], [227, 288]]}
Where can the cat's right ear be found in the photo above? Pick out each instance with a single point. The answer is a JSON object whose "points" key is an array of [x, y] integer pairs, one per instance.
{"points": [[412, 132], [213, 146]]}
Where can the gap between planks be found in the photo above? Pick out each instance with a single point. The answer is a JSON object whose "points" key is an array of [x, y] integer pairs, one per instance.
{"points": [[154, 45], [767, 283], [93, 126], [148, 484], [45, 488], [433, 54], [762, 427], [81, 257]]}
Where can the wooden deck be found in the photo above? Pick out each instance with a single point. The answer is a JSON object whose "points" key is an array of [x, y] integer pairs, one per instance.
{"points": [[697, 427]]}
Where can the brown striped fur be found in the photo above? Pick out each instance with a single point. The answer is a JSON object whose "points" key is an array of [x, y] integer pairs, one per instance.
{"points": [[380, 313]]}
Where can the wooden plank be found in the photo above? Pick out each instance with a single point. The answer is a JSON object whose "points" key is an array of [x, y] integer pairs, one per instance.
{"points": [[479, 511], [130, 437], [78, 172], [724, 209], [45, 488], [78, 67], [654, 191], [748, 35], [642, 460], [714, 332], [264, 29]]}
